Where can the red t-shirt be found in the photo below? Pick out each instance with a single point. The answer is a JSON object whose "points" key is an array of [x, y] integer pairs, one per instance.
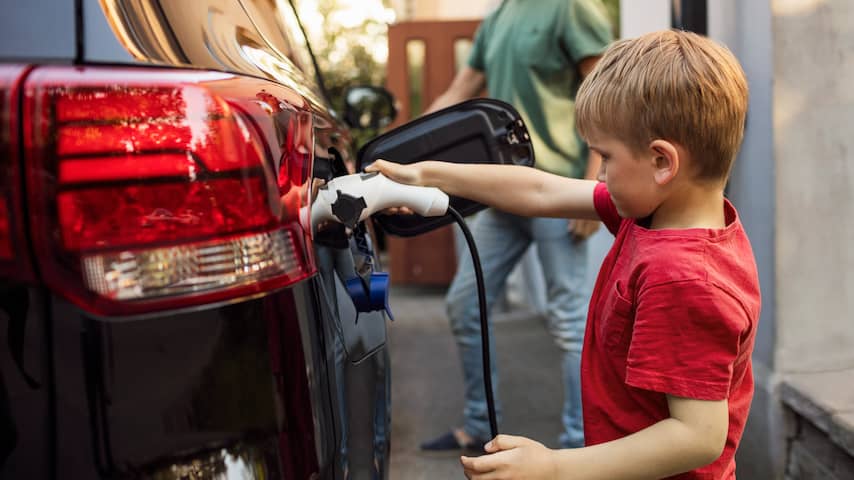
{"points": [[673, 312]]}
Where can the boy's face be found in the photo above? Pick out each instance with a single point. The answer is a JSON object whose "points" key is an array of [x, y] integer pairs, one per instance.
{"points": [[630, 177]]}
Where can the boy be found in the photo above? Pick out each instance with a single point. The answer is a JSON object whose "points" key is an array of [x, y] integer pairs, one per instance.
{"points": [[666, 364]]}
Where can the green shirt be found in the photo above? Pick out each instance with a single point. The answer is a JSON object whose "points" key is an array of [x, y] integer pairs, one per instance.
{"points": [[529, 51]]}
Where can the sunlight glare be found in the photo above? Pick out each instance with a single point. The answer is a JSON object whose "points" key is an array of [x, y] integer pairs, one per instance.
{"points": [[350, 14]]}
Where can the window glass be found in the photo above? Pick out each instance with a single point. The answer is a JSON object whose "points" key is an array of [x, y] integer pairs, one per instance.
{"points": [[462, 49], [415, 53]]}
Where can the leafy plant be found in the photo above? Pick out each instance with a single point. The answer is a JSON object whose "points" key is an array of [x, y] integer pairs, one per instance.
{"points": [[349, 38]]}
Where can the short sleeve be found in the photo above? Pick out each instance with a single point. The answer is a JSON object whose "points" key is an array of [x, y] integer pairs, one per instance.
{"points": [[586, 30], [686, 340], [605, 208], [477, 57]]}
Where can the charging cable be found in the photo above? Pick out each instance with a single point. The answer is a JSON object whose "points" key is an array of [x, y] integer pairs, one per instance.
{"points": [[484, 322]]}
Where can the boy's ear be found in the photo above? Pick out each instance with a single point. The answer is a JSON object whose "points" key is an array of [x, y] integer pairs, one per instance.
{"points": [[665, 157]]}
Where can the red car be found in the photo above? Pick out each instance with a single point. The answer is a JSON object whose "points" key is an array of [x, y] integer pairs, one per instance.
{"points": [[165, 312]]}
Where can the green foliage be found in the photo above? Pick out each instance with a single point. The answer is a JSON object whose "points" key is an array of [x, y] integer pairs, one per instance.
{"points": [[358, 68], [347, 54], [352, 53]]}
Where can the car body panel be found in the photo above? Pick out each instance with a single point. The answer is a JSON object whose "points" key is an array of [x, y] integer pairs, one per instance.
{"points": [[167, 32], [279, 382], [154, 392], [26, 417], [259, 386], [101, 45], [134, 398]]}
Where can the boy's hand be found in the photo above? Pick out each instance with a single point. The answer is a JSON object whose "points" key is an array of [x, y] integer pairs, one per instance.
{"points": [[512, 457], [408, 174]]}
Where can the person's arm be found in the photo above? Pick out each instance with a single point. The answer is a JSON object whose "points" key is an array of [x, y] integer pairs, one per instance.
{"points": [[466, 84], [514, 189], [585, 66], [693, 436]]}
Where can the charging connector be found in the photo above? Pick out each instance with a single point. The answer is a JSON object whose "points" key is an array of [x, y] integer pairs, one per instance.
{"points": [[352, 198]]}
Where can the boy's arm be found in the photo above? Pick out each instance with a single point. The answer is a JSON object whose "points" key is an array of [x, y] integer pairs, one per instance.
{"points": [[693, 436], [523, 191]]}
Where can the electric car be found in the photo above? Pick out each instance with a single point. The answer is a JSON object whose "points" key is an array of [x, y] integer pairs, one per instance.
{"points": [[165, 310]]}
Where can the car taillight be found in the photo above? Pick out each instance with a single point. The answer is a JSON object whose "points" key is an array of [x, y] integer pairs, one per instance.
{"points": [[15, 261], [153, 189]]}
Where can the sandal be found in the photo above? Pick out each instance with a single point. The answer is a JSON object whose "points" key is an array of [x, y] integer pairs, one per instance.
{"points": [[448, 442]]}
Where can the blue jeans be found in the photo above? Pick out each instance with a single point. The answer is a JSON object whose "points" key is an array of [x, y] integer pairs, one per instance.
{"points": [[501, 241]]}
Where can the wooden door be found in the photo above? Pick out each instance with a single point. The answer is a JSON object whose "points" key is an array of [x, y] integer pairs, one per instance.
{"points": [[422, 61]]}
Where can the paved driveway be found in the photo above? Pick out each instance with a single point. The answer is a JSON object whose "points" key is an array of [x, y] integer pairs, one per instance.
{"points": [[427, 382]]}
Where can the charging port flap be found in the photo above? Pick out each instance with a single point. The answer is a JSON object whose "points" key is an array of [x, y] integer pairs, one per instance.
{"points": [[480, 130]]}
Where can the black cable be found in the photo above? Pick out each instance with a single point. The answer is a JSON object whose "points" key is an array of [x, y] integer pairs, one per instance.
{"points": [[484, 324]]}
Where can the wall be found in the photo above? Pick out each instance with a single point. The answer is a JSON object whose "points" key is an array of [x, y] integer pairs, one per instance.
{"points": [[794, 186], [746, 28], [813, 64], [442, 9], [641, 16], [797, 156], [813, 100]]}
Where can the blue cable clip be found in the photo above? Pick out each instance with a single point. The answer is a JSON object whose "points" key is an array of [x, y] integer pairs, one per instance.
{"points": [[372, 298]]}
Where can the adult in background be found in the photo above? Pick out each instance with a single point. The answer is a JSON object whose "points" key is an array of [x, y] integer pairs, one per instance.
{"points": [[532, 54]]}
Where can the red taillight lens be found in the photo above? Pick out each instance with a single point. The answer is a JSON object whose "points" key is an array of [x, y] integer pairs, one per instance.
{"points": [[126, 216], [7, 160], [5, 232], [14, 258], [157, 189]]}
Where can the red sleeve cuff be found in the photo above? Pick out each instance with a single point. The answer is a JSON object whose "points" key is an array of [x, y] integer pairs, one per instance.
{"points": [[606, 209], [676, 386]]}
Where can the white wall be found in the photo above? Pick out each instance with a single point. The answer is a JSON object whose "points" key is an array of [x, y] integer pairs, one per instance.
{"points": [[442, 9], [642, 16], [794, 186], [814, 150]]}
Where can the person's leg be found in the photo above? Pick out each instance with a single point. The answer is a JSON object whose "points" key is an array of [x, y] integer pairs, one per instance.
{"points": [[564, 262], [500, 241]]}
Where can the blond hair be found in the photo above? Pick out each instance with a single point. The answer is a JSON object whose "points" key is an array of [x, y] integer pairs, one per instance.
{"points": [[671, 85]]}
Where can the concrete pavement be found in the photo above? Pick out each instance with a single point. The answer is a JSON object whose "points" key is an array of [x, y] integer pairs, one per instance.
{"points": [[427, 381]]}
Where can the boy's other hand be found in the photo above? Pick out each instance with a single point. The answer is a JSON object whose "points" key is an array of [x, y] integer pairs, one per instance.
{"points": [[512, 457], [407, 174], [582, 229]]}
